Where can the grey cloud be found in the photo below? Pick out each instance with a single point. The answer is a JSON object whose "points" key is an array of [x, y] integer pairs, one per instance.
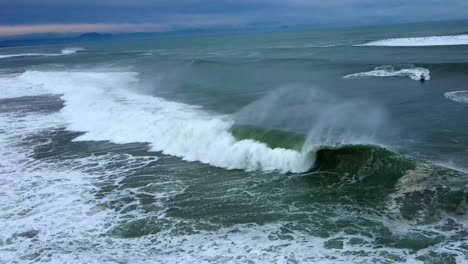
{"points": [[199, 13]]}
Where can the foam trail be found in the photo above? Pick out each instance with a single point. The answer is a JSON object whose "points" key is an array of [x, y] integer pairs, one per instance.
{"points": [[420, 41], [414, 73], [457, 96], [65, 51], [105, 110]]}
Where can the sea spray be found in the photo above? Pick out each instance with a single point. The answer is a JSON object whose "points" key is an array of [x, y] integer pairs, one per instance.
{"points": [[321, 118]]}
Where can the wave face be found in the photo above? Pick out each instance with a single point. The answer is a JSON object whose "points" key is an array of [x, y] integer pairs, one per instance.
{"points": [[414, 73], [421, 41], [100, 105], [65, 51], [458, 96]]}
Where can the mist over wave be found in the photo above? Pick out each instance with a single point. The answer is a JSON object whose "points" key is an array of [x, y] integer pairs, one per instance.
{"points": [[415, 73], [421, 41], [324, 119]]}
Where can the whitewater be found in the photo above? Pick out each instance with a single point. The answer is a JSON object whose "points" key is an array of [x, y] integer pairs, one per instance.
{"points": [[421, 41]]}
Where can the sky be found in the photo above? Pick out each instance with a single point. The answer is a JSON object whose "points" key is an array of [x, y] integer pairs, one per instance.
{"points": [[22, 17]]}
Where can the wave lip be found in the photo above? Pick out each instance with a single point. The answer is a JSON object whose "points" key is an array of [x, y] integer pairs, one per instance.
{"points": [[413, 72], [457, 96], [420, 41]]}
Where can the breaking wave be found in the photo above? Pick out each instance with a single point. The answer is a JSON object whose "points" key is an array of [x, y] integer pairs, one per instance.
{"points": [[421, 41], [100, 105], [414, 73]]}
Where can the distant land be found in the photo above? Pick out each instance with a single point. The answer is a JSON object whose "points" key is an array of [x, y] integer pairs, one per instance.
{"points": [[93, 36], [25, 41]]}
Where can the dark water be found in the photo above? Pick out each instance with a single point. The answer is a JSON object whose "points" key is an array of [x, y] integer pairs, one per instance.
{"points": [[290, 147]]}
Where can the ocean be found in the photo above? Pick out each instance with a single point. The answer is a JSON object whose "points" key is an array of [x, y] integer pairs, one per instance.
{"points": [[313, 146]]}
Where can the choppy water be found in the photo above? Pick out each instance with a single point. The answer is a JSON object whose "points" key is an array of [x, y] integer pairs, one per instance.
{"points": [[297, 147]]}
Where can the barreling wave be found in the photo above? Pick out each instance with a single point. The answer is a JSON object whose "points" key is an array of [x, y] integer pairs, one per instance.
{"points": [[99, 104], [358, 158], [458, 96], [65, 51], [411, 71], [420, 41]]}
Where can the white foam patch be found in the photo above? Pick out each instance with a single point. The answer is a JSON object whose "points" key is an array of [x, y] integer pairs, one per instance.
{"points": [[65, 51], [51, 206], [421, 41], [101, 105], [457, 96], [11, 88], [414, 73]]}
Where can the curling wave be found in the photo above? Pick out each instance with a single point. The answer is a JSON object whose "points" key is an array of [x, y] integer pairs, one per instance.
{"points": [[420, 41], [414, 73]]}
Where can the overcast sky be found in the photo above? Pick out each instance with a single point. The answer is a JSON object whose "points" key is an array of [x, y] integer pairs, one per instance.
{"points": [[76, 16]]}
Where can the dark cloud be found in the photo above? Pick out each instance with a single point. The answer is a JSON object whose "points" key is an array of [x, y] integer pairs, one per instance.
{"points": [[192, 13]]}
